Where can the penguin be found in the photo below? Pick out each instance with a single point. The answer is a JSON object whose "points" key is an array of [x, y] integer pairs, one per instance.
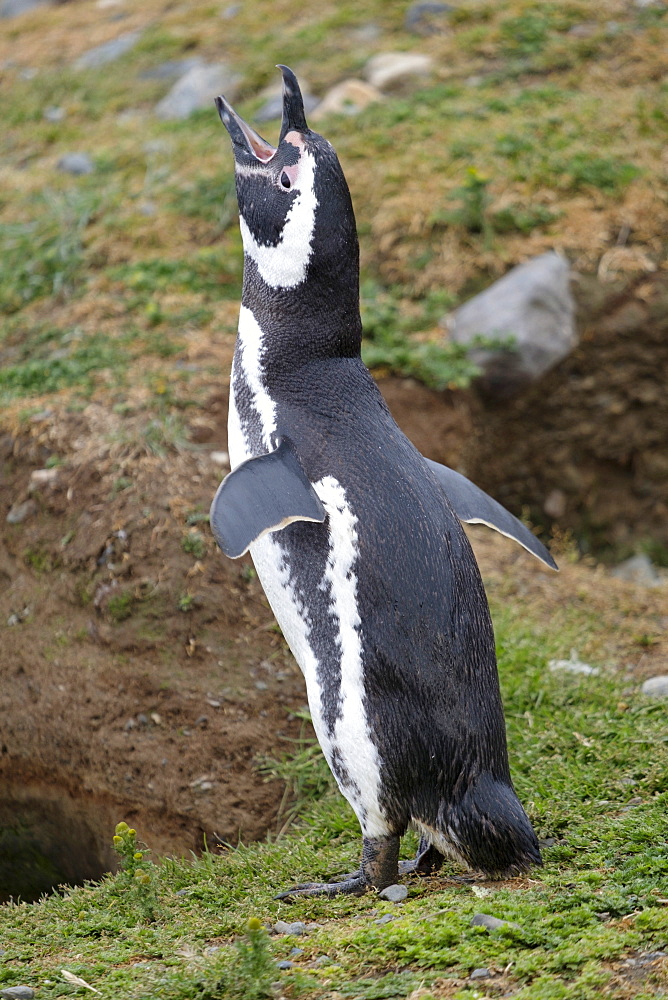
{"points": [[357, 538]]}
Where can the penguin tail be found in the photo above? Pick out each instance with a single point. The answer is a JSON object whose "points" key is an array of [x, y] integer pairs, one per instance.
{"points": [[487, 829]]}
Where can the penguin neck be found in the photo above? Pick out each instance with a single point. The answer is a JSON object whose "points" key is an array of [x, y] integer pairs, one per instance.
{"points": [[304, 290]]}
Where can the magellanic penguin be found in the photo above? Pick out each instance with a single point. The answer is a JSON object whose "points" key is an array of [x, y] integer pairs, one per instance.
{"points": [[356, 538]]}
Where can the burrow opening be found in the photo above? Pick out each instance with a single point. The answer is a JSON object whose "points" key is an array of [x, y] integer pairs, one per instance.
{"points": [[49, 838]]}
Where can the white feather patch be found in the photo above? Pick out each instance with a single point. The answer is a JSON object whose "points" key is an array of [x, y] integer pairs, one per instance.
{"points": [[351, 741], [352, 735], [249, 359], [284, 265]]}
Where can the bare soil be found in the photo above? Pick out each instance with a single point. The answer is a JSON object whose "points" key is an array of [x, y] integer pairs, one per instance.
{"points": [[143, 677]]}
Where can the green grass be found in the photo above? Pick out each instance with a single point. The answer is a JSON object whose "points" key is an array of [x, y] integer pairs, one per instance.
{"points": [[522, 108], [522, 115], [590, 761], [44, 256]]}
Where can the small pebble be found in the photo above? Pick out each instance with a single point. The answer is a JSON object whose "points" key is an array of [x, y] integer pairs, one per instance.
{"points": [[481, 973], [394, 893], [296, 952], [107, 52], [54, 114], [21, 512], [490, 923], [18, 616], [573, 666], [426, 18], [297, 928], [285, 964], [76, 163], [385, 919], [323, 960], [17, 993], [654, 687]]}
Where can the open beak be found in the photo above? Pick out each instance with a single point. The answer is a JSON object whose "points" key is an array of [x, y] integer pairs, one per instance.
{"points": [[246, 140]]}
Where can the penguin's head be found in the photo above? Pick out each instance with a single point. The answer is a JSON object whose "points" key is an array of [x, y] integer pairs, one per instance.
{"points": [[295, 210]]}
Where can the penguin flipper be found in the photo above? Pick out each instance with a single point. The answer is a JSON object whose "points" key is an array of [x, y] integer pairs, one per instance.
{"points": [[474, 506], [263, 494]]}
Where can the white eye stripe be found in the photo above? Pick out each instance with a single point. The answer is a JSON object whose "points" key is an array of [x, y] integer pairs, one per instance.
{"points": [[251, 170], [284, 265]]}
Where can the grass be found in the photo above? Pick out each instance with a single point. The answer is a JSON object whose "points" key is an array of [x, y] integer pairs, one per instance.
{"points": [[45, 255], [121, 284], [590, 761], [527, 137]]}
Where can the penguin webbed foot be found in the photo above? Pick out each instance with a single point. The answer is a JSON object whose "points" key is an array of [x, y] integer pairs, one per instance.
{"points": [[427, 861], [379, 868], [353, 884]]}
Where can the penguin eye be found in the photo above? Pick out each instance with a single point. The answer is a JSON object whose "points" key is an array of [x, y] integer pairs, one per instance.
{"points": [[285, 180]]}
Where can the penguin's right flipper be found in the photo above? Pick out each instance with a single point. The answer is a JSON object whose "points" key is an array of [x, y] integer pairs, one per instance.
{"points": [[263, 494], [473, 505]]}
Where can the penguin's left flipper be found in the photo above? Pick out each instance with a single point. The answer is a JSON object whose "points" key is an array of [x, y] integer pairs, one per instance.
{"points": [[474, 506], [263, 494]]}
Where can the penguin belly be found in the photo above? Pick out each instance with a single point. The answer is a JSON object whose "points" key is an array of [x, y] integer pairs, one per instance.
{"points": [[307, 574], [311, 586]]}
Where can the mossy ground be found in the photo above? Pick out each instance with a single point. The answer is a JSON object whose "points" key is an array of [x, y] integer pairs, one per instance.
{"points": [[544, 126], [590, 761]]}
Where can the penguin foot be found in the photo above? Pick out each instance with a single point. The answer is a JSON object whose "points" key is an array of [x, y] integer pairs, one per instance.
{"points": [[427, 860], [353, 884], [379, 868]]}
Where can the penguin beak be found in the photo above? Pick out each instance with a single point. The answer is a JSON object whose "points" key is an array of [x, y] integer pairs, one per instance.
{"points": [[244, 138], [294, 118]]}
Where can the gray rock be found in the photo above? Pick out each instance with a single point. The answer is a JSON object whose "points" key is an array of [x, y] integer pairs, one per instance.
{"points": [[76, 163], [554, 504], [106, 53], [17, 993], [12, 8], [285, 964], [20, 512], [17, 617], [394, 893], [481, 973], [427, 18], [385, 919], [365, 34], [323, 960], [347, 98], [197, 89], [638, 569], [656, 687], [490, 923], [170, 69], [54, 114], [531, 304], [296, 952], [395, 71], [282, 927], [574, 665]]}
